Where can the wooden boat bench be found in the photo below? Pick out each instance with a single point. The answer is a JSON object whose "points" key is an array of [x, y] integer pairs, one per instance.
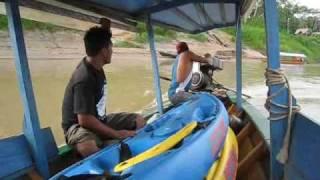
{"points": [[16, 156]]}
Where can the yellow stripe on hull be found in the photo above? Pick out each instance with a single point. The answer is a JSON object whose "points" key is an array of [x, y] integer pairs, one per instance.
{"points": [[158, 149], [225, 168]]}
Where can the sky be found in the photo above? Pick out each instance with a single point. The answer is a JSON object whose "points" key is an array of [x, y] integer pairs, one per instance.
{"points": [[310, 3]]}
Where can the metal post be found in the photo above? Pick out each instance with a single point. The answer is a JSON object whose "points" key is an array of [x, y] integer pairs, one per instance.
{"points": [[155, 67], [277, 128], [239, 60], [31, 123]]}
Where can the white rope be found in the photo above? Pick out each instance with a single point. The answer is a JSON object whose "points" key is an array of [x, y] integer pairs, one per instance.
{"points": [[277, 77]]}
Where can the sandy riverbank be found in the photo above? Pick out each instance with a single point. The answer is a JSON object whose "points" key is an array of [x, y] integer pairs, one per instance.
{"points": [[69, 45]]}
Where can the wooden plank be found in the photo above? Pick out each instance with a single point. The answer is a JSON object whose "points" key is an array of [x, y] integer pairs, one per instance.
{"points": [[255, 116], [34, 175], [256, 153], [244, 148], [258, 173], [245, 132], [256, 138], [16, 155]]}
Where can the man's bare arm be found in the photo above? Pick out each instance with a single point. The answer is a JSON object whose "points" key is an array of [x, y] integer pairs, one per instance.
{"points": [[198, 58], [182, 71], [92, 123]]}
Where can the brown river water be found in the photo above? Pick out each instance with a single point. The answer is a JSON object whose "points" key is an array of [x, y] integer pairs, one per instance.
{"points": [[130, 88]]}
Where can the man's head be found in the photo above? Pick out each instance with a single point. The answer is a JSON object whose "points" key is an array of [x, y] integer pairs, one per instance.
{"points": [[182, 47], [97, 42], [207, 55]]}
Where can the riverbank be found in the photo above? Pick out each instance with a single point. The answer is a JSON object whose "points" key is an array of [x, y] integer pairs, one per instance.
{"points": [[54, 55], [254, 38], [65, 44]]}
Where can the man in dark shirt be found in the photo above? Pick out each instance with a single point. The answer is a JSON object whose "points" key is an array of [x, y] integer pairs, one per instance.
{"points": [[84, 118]]}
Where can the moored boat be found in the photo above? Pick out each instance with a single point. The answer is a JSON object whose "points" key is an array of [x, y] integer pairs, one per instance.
{"points": [[292, 58]]}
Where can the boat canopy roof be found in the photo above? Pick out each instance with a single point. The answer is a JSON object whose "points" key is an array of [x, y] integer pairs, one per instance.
{"points": [[191, 16]]}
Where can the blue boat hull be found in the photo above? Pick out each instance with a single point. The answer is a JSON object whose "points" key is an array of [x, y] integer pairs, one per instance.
{"points": [[191, 160]]}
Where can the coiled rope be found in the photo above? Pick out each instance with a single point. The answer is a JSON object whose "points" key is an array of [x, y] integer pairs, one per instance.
{"points": [[277, 77]]}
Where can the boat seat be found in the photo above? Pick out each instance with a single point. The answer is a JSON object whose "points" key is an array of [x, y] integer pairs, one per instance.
{"points": [[16, 155]]}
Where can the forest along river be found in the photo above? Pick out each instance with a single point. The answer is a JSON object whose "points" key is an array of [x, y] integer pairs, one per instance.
{"points": [[130, 88]]}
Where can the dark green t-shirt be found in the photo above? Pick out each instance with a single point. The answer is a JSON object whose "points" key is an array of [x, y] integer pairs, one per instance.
{"points": [[84, 94]]}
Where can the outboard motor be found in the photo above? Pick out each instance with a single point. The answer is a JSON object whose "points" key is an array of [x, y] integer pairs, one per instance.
{"points": [[202, 74]]}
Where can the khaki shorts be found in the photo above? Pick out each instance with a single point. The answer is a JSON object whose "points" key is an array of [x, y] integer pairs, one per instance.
{"points": [[118, 121]]}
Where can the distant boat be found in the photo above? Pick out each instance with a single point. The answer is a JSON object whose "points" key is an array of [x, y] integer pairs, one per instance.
{"points": [[292, 58]]}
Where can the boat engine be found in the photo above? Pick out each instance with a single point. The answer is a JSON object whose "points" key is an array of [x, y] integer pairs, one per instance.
{"points": [[202, 74]]}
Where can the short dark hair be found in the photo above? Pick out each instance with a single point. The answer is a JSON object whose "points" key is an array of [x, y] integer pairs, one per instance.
{"points": [[95, 39], [182, 47]]}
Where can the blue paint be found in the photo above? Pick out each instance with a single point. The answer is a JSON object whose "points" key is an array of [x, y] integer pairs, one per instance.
{"points": [[145, 7], [165, 5], [304, 156], [200, 149], [15, 154], [32, 130], [165, 12], [239, 61], [156, 76], [127, 5], [277, 128], [17, 157]]}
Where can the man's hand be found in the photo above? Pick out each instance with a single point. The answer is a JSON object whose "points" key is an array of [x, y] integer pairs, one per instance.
{"points": [[122, 134]]}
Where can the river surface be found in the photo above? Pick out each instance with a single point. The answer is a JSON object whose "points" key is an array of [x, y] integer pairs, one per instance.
{"points": [[130, 88]]}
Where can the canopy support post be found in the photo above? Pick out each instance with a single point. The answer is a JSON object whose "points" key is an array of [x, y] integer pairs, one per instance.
{"points": [[31, 120], [156, 76], [239, 59], [278, 127]]}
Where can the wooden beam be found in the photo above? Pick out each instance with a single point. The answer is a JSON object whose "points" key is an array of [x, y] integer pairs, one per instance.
{"points": [[245, 132], [69, 13], [256, 153]]}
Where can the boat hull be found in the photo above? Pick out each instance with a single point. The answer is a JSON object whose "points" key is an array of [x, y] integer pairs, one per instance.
{"points": [[191, 159]]}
